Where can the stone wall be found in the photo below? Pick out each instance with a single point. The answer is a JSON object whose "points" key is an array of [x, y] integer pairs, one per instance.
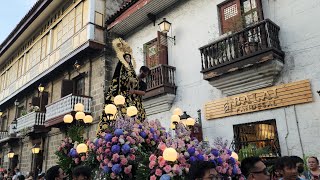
{"points": [[53, 141], [27, 156]]}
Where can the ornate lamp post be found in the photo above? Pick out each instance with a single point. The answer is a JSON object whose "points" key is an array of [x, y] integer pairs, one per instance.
{"points": [[165, 26], [10, 156], [40, 89]]}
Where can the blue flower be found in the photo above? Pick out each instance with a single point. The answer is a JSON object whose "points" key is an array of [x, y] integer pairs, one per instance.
{"points": [[125, 148], [73, 153], [219, 160], [234, 170], [155, 137], [232, 160], [116, 168], [140, 126], [214, 162], [215, 152], [191, 150], [108, 137], [115, 149], [165, 177], [143, 134], [96, 142], [118, 132], [193, 159], [152, 130], [200, 157], [106, 169], [229, 152]]}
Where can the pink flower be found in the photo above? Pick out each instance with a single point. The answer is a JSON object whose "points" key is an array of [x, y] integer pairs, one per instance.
{"points": [[115, 157], [114, 139], [76, 160], [63, 144], [132, 157], [167, 168], [153, 177], [110, 164], [83, 158], [100, 150], [107, 151], [98, 158], [106, 161], [162, 146], [152, 164], [152, 157], [124, 161], [127, 170], [113, 176], [176, 169], [158, 172], [59, 148], [219, 169], [161, 161]]}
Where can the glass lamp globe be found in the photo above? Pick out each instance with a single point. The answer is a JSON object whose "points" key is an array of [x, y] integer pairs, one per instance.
{"points": [[172, 126], [132, 111], [67, 118], [79, 107], [190, 122], [177, 111], [80, 115], [1, 113], [119, 100], [82, 148], [40, 88], [175, 119], [164, 26], [234, 155], [110, 109], [170, 154], [35, 149], [88, 119], [10, 154]]}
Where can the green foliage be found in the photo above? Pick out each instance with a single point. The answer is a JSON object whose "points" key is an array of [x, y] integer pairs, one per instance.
{"points": [[142, 167], [251, 150], [65, 162], [76, 133]]}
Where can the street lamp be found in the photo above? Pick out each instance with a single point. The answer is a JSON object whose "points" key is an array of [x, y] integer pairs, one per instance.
{"points": [[76, 66], [80, 115], [40, 89], [1, 112], [165, 26], [10, 154], [35, 150]]}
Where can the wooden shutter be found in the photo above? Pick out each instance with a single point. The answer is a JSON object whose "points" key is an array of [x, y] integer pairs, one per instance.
{"points": [[44, 100], [157, 51], [251, 11], [230, 16], [67, 87], [35, 101], [163, 48]]}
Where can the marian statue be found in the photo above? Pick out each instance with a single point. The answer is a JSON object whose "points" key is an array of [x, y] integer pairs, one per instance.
{"points": [[124, 79]]}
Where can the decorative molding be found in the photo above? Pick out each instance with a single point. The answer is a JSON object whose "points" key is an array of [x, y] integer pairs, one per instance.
{"points": [[158, 104], [249, 78]]}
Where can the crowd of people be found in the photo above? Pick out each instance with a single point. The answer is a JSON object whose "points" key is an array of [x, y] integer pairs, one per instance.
{"points": [[252, 168]]}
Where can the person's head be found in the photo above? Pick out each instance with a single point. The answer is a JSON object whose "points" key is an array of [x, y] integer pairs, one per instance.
{"points": [[254, 168], [299, 163], [127, 57], [41, 176], [313, 163], [30, 174], [286, 166], [21, 177], [144, 71], [203, 170], [81, 173], [55, 173], [16, 170]]}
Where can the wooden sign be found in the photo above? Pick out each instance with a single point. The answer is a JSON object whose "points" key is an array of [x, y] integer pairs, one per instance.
{"points": [[268, 98]]}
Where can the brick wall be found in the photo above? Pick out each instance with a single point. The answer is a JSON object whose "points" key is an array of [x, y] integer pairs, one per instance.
{"points": [[53, 141], [26, 156]]}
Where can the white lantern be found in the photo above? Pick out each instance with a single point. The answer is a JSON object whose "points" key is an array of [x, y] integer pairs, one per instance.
{"points": [[82, 148], [164, 26], [110, 109], [119, 100], [172, 126], [88, 119], [175, 119], [67, 118], [170, 154], [35, 149], [234, 155], [132, 111], [79, 107], [80, 115], [177, 111], [190, 122]]}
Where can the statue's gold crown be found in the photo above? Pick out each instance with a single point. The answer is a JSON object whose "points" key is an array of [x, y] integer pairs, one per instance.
{"points": [[119, 45]]}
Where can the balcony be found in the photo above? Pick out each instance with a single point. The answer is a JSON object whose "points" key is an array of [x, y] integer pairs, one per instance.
{"points": [[55, 111], [3, 134], [244, 61], [9, 134], [31, 122], [161, 89]]}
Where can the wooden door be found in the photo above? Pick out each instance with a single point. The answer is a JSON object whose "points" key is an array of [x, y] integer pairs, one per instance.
{"points": [[156, 51], [230, 16]]}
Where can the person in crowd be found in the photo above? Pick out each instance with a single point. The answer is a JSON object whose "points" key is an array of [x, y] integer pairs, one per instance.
{"points": [[55, 173], [253, 168], [21, 177], [313, 172], [144, 72], [300, 166], [41, 176], [202, 170], [287, 168], [17, 174], [81, 173]]}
